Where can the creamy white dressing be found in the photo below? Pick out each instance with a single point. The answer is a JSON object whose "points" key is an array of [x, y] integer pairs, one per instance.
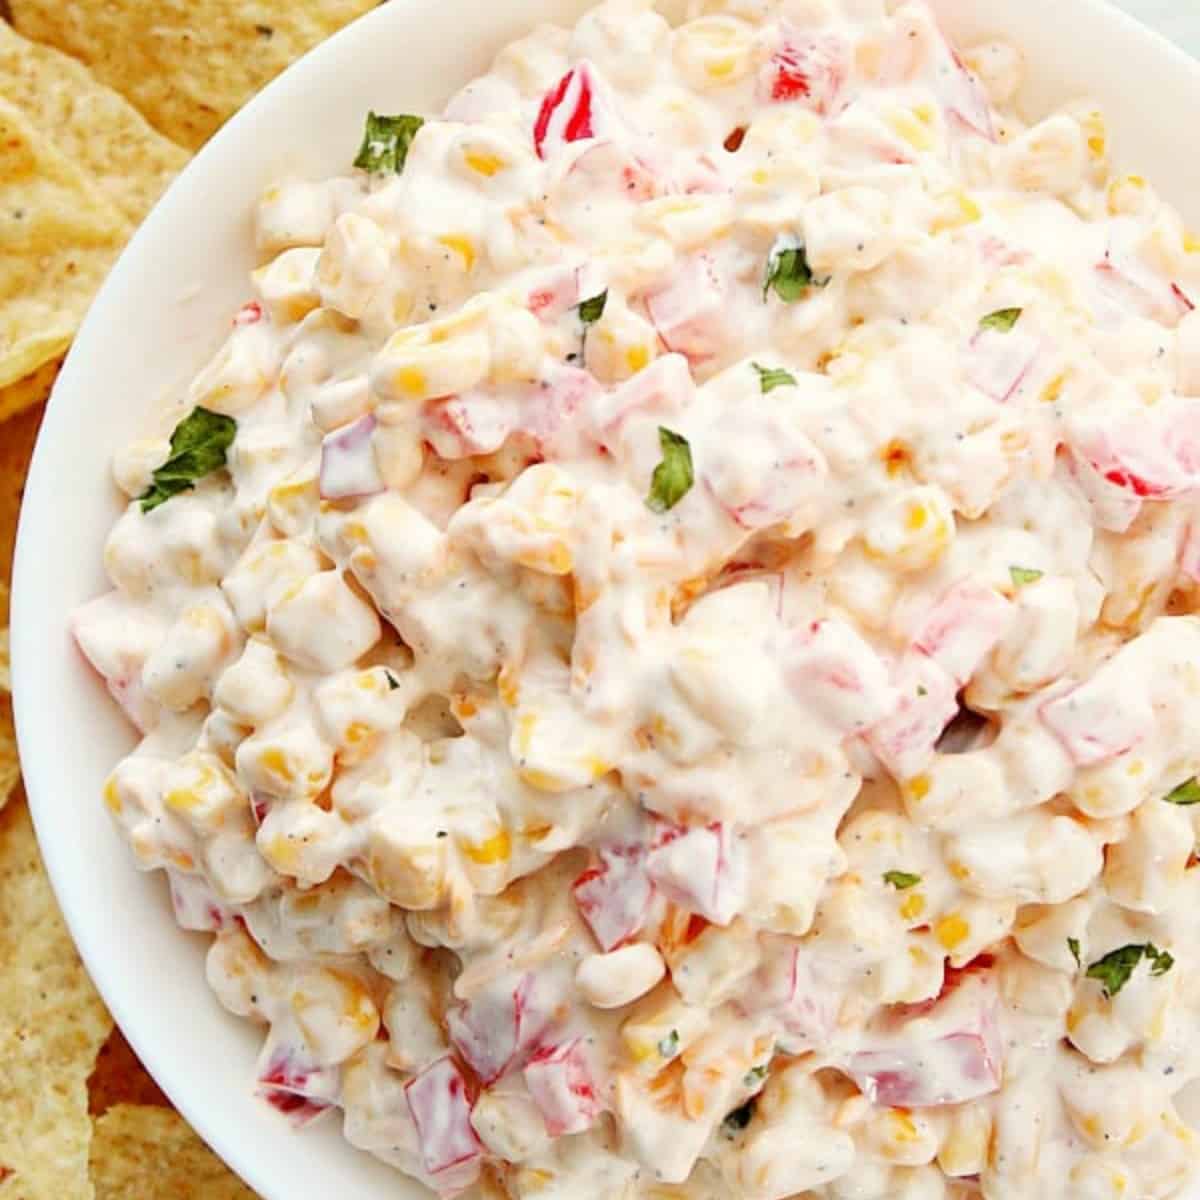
{"points": [[582, 843]]}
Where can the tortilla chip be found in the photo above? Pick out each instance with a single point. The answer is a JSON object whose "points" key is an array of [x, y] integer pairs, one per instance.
{"points": [[95, 127], [33, 389], [188, 65], [58, 237], [52, 1022], [119, 1078], [10, 767], [17, 438], [139, 1151]]}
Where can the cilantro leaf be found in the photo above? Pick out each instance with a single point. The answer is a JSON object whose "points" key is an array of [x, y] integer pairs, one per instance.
{"points": [[737, 1120], [1161, 961], [788, 272], [385, 143], [770, 378], [1187, 792], [1073, 946], [198, 448], [392, 682], [1115, 968], [901, 880], [1002, 320], [1023, 575], [669, 1046], [592, 309], [674, 476], [754, 1076]]}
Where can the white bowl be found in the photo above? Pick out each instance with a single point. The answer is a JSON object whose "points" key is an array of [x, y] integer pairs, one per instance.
{"points": [[158, 317]]}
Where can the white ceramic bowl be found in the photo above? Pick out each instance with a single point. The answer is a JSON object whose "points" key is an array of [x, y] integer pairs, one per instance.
{"points": [[159, 316]]}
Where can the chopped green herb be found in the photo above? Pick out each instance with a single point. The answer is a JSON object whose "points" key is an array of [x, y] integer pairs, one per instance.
{"points": [[591, 310], [922, 690], [737, 1120], [385, 143], [1187, 792], [1115, 968], [1161, 960], [754, 1076], [788, 272], [1073, 946], [393, 682], [1023, 575], [669, 1046], [1002, 320], [901, 880], [673, 477], [198, 448], [770, 378]]}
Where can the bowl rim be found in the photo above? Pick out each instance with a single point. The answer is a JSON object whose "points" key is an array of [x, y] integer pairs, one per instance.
{"points": [[35, 729]]}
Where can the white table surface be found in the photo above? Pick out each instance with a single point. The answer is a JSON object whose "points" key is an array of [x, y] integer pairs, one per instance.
{"points": [[1178, 19]]}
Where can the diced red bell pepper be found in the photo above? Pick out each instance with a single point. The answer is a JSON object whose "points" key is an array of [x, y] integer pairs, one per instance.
{"points": [[948, 1055], [249, 314], [829, 667], [963, 628], [291, 1083], [810, 69], [441, 1110], [701, 869], [576, 107], [497, 1029], [196, 906], [614, 896], [905, 740], [563, 1086], [690, 312]]}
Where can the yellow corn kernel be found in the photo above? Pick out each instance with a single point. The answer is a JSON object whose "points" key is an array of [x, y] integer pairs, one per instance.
{"points": [[965, 1150], [636, 358], [283, 854], [111, 797], [952, 931], [959, 209], [917, 516], [181, 859], [597, 766], [554, 559], [901, 1126], [1191, 242], [1054, 389], [507, 687], [462, 246], [497, 848], [541, 781], [1126, 194], [410, 381], [917, 788], [525, 727], [483, 163], [908, 126], [912, 906], [275, 761], [959, 871]]}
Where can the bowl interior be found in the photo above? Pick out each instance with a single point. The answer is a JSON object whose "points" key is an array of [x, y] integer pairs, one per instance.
{"points": [[160, 314]]}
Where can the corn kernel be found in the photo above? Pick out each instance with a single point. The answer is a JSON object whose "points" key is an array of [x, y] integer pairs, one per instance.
{"points": [[497, 848], [952, 931]]}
